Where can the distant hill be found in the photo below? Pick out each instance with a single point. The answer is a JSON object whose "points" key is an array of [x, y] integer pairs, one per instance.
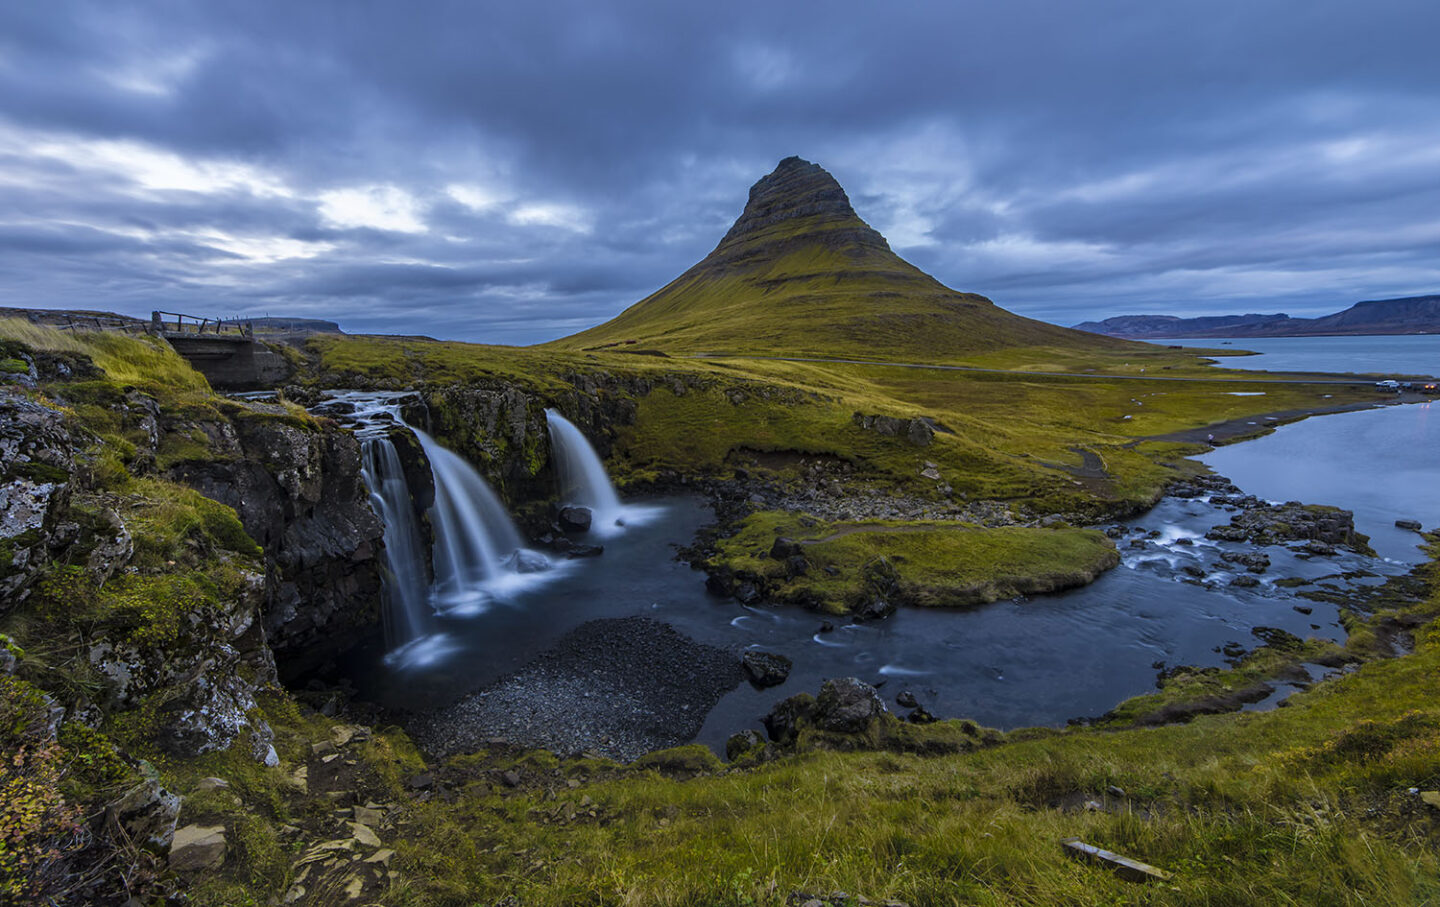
{"points": [[275, 324], [800, 273], [1410, 315]]}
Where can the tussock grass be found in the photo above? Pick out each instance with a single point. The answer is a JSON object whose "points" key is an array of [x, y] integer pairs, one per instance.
{"points": [[127, 359]]}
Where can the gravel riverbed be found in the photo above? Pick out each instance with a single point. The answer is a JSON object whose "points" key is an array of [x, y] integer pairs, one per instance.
{"points": [[616, 687]]}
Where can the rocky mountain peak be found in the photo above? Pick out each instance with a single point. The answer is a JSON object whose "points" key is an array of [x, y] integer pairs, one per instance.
{"points": [[797, 189]]}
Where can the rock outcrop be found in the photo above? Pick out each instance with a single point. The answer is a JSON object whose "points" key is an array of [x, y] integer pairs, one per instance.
{"points": [[297, 490], [36, 461]]}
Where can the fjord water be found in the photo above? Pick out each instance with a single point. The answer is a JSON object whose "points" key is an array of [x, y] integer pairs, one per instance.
{"points": [[1407, 354], [1380, 463], [1033, 661]]}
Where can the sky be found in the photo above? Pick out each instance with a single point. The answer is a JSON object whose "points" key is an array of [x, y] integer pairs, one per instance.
{"points": [[515, 172]]}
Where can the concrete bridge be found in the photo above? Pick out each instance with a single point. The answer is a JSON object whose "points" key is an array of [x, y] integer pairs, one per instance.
{"points": [[225, 352]]}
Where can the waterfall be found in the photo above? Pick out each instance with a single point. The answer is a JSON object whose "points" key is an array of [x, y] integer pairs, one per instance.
{"points": [[583, 479], [474, 537], [477, 550], [407, 609]]}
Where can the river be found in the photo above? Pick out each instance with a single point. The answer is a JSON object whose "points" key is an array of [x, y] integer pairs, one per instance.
{"points": [[1023, 662]]}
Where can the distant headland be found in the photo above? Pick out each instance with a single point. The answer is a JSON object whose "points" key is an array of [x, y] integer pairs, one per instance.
{"points": [[1409, 315]]}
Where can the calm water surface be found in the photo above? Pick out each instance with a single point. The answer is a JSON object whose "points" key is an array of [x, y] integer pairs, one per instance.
{"points": [[1382, 463], [1411, 354]]}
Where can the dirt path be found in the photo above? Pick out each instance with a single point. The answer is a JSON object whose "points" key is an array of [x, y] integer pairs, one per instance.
{"points": [[1260, 377]]}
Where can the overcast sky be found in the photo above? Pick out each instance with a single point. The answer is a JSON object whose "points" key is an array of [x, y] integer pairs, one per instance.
{"points": [[514, 172]]}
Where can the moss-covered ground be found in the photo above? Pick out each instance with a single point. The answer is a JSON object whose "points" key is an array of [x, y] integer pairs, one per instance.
{"points": [[925, 564]]}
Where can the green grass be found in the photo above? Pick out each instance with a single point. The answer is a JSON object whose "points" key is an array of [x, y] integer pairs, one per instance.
{"points": [[127, 359], [924, 564]]}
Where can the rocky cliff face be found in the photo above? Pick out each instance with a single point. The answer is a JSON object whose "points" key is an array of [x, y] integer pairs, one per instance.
{"points": [[298, 492], [500, 426], [803, 194]]}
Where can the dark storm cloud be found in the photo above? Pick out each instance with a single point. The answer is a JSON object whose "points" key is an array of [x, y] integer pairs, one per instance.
{"points": [[512, 173]]}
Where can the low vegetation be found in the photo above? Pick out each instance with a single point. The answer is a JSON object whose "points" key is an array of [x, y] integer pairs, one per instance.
{"points": [[846, 566], [1307, 804]]}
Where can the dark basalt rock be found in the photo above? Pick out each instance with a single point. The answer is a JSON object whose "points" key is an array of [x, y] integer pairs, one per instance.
{"points": [[36, 459], [299, 494], [1273, 524], [919, 432], [784, 548], [766, 669], [920, 716], [847, 705], [742, 743], [575, 519], [906, 700], [798, 189], [875, 608], [783, 721], [1255, 562]]}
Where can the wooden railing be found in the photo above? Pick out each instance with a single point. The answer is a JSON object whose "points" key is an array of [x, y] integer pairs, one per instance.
{"points": [[179, 323]]}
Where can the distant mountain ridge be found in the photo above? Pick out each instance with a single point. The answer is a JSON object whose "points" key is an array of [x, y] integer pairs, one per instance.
{"points": [[801, 274], [1407, 315]]}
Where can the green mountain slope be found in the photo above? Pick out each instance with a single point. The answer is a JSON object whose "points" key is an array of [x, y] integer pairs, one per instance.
{"points": [[801, 274]]}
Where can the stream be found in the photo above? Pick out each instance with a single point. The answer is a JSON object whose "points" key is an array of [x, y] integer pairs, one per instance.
{"points": [[1022, 662]]}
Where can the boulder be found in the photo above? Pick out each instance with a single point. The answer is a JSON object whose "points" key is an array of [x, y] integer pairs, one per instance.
{"points": [[783, 721], [527, 561], [742, 743], [1245, 581], [1412, 525], [575, 519], [197, 848], [784, 549], [1255, 562], [847, 705], [574, 551], [766, 669], [875, 608], [796, 566], [148, 814], [920, 716], [906, 700]]}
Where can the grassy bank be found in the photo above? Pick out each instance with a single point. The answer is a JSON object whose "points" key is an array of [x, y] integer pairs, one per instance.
{"points": [[844, 566]]}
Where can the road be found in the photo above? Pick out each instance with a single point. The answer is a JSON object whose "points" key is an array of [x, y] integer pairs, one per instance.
{"points": [[1021, 373]]}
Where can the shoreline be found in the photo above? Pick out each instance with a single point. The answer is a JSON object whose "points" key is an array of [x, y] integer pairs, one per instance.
{"points": [[1245, 428]]}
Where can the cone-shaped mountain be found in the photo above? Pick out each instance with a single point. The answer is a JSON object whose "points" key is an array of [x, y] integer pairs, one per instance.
{"points": [[801, 274]]}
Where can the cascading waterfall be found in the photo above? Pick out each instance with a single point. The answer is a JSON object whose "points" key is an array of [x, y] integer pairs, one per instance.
{"points": [[407, 612], [477, 548], [583, 479], [475, 541]]}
